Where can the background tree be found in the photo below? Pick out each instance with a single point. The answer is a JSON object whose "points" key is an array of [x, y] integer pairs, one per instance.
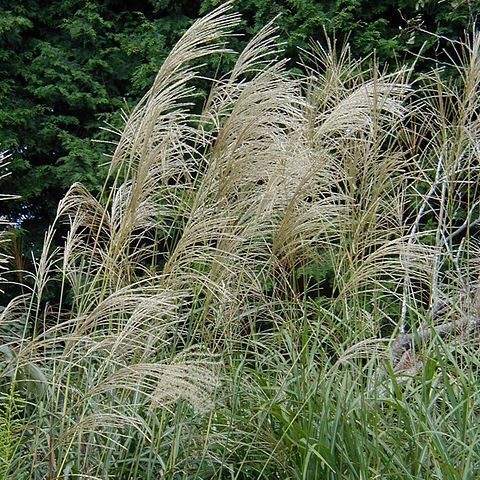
{"points": [[68, 67]]}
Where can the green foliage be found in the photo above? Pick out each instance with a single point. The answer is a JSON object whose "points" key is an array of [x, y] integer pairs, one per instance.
{"points": [[69, 67], [12, 426], [390, 28], [284, 287]]}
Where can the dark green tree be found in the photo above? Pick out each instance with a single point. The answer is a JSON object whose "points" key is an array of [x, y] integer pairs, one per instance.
{"points": [[67, 67], [392, 28]]}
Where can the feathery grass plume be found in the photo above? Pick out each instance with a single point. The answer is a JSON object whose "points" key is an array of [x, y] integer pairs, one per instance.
{"points": [[86, 373], [296, 410], [357, 119], [247, 120], [155, 143], [155, 150], [13, 320], [108, 365], [447, 148]]}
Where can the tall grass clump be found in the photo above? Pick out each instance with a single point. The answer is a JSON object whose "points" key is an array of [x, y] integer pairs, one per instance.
{"points": [[282, 286]]}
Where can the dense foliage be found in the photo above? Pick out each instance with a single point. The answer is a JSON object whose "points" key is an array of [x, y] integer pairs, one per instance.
{"points": [[281, 285], [67, 68]]}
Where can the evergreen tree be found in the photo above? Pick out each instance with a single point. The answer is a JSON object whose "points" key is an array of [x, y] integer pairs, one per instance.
{"points": [[68, 67]]}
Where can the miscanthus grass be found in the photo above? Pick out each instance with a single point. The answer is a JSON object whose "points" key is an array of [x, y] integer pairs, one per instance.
{"points": [[284, 286]]}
